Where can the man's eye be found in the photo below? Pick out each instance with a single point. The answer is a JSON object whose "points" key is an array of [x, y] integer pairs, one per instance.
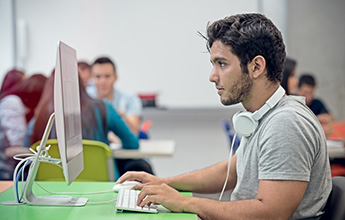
{"points": [[221, 64]]}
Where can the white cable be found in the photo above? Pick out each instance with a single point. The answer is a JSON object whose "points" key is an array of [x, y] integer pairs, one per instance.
{"points": [[73, 193], [45, 158], [79, 193], [22, 181], [29, 157], [15, 176], [17, 156], [228, 168]]}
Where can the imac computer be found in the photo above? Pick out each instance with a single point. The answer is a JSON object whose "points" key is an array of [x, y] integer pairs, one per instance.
{"points": [[68, 129], [67, 112]]}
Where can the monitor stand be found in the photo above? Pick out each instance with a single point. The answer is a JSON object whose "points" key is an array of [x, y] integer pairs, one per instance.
{"points": [[29, 196]]}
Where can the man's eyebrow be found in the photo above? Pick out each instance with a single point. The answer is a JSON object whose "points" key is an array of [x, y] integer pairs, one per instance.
{"points": [[217, 59]]}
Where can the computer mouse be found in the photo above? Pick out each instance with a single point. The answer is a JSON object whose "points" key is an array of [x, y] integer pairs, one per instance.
{"points": [[125, 185]]}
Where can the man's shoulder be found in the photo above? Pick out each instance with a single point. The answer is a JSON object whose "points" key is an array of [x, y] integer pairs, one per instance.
{"points": [[125, 95], [127, 98], [130, 103], [11, 98], [11, 101], [292, 105], [291, 111], [317, 102]]}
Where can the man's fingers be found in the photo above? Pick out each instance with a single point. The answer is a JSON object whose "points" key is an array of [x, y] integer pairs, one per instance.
{"points": [[130, 176], [138, 186], [145, 193], [148, 200]]}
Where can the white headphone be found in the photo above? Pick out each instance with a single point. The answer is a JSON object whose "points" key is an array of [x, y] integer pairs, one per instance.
{"points": [[245, 123]]}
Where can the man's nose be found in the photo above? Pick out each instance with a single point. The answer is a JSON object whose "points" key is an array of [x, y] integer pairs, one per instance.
{"points": [[213, 75], [103, 80]]}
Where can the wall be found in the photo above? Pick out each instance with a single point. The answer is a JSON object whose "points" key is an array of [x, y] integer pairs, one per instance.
{"points": [[154, 43], [6, 37], [316, 34]]}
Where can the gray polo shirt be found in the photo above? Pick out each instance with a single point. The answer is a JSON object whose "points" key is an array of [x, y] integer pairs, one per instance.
{"points": [[289, 144]]}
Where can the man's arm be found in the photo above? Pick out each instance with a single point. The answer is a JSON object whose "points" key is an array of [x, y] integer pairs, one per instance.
{"points": [[133, 122], [208, 180], [276, 199]]}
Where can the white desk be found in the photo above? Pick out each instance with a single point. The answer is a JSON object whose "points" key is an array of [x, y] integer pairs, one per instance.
{"points": [[335, 149], [147, 148]]}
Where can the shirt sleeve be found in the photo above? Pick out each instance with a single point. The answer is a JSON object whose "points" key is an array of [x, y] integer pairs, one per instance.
{"points": [[289, 147], [13, 120], [120, 129], [134, 105]]}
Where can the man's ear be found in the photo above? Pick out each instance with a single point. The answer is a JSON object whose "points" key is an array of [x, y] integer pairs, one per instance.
{"points": [[258, 66]]}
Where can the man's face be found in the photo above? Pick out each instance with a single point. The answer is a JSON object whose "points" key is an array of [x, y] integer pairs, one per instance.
{"points": [[104, 78], [308, 92], [232, 84]]}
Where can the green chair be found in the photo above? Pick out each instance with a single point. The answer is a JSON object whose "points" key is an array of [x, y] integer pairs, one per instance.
{"points": [[98, 163]]}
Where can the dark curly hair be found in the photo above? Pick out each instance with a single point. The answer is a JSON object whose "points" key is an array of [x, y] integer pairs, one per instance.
{"points": [[250, 35]]}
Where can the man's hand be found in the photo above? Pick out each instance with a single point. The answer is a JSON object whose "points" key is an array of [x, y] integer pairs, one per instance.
{"points": [[326, 121], [163, 195], [143, 177]]}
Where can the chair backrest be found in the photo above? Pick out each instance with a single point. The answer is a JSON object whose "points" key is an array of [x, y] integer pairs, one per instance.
{"points": [[231, 134], [335, 207], [98, 163]]}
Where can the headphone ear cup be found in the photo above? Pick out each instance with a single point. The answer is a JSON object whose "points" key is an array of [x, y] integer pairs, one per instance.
{"points": [[244, 124]]}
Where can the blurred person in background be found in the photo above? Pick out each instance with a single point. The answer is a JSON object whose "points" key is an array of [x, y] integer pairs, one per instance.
{"points": [[98, 118], [16, 106], [129, 106], [334, 130], [289, 81], [11, 78], [306, 88], [84, 71]]}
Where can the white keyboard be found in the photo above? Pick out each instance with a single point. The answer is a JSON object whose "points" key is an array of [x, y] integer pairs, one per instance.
{"points": [[127, 201]]}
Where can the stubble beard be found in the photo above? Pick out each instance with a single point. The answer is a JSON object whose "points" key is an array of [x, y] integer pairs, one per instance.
{"points": [[239, 91]]}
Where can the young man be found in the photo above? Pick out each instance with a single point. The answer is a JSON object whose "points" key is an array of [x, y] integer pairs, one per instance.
{"points": [[306, 88], [127, 105], [281, 170]]}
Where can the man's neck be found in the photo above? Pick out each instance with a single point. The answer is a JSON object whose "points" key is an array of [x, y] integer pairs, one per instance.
{"points": [[259, 95], [108, 97]]}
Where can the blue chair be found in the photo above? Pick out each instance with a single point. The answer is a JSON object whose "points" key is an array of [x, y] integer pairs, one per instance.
{"points": [[231, 133]]}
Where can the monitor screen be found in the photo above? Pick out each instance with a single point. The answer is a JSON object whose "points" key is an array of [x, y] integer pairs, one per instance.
{"points": [[67, 112]]}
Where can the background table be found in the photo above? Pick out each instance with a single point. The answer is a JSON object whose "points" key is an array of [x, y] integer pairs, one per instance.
{"points": [[90, 211], [335, 149], [5, 185], [147, 148]]}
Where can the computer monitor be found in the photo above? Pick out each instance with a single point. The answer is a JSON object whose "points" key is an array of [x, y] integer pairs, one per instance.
{"points": [[68, 129], [67, 112]]}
